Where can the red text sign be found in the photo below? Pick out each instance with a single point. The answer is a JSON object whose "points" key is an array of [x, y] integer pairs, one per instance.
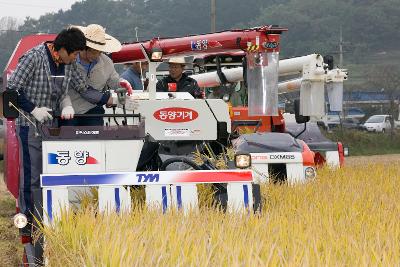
{"points": [[176, 114]]}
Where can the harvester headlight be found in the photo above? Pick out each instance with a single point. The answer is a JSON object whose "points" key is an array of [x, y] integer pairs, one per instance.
{"points": [[310, 173], [242, 161], [156, 54], [226, 97], [20, 220]]}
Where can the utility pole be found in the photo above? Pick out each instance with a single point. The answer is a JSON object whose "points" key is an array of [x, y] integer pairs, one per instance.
{"points": [[341, 48], [213, 16]]}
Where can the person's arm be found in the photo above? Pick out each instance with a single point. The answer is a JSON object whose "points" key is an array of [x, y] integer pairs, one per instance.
{"points": [[96, 97], [19, 79], [87, 92], [109, 70], [113, 80]]}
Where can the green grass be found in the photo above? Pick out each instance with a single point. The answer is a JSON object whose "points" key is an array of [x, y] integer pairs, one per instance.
{"points": [[365, 143]]}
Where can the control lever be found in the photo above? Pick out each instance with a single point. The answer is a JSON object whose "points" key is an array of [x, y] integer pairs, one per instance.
{"points": [[121, 94], [11, 105]]}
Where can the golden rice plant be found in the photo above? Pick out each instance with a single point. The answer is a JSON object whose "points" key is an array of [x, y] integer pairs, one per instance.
{"points": [[345, 217]]}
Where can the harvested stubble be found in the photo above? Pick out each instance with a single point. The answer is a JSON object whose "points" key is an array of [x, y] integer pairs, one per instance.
{"points": [[348, 217]]}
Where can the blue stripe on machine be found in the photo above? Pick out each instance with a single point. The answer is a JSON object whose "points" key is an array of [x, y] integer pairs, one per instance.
{"points": [[246, 195], [117, 200], [179, 196], [164, 198], [49, 205], [78, 179]]}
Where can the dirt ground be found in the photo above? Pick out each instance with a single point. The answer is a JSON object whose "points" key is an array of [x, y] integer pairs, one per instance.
{"points": [[11, 250]]}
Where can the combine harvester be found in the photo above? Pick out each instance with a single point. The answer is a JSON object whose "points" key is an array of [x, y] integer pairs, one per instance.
{"points": [[192, 120], [107, 157], [315, 74], [225, 69]]}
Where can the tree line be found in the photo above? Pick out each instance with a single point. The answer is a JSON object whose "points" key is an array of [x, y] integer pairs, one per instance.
{"points": [[314, 25]]}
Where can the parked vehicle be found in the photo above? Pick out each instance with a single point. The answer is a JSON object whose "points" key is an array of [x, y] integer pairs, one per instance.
{"points": [[378, 123], [349, 118], [348, 123]]}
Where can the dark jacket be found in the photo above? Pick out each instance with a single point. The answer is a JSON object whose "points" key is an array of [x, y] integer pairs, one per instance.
{"points": [[185, 84]]}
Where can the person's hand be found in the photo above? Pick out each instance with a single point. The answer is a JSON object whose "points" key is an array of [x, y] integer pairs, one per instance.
{"points": [[67, 113], [110, 102], [42, 114], [125, 84]]}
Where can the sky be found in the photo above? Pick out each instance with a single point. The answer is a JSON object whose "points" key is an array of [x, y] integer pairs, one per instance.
{"points": [[33, 8]]}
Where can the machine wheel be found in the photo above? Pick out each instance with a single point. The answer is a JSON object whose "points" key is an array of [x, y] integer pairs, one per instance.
{"points": [[186, 161], [383, 130]]}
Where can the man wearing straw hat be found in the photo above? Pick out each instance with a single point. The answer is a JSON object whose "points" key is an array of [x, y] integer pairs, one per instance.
{"points": [[177, 80], [99, 72]]}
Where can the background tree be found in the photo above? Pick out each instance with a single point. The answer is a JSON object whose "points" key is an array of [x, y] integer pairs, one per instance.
{"points": [[368, 26], [9, 36]]}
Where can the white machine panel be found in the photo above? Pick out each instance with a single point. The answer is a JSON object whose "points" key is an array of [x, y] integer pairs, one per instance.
{"points": [[221, 111], [174, 119], [240, 196], [260, 172], [293, 161], [281, 157], [122, 155], [114, 198], [184, 196], [295, 173], [332, 159], [73, 157], [158, 196], [55, 200]]}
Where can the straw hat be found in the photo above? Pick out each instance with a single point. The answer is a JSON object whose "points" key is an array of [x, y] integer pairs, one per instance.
{"points": [[177, 60], [97, 38]]}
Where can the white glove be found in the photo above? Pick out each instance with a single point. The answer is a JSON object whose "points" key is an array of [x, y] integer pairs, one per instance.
{"points": [[67, 113], [131, 103], [42, 114]]}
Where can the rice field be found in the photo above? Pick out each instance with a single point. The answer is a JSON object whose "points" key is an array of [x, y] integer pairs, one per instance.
{"points": [[348, 217]]}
